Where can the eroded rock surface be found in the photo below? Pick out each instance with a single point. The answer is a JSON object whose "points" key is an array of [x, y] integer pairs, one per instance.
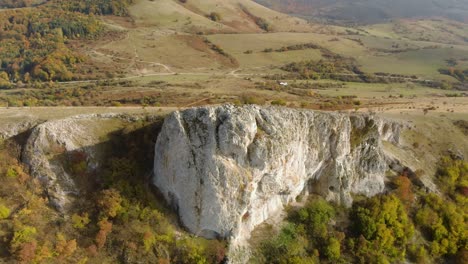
{"points": [[227, 169], [63, 153]]}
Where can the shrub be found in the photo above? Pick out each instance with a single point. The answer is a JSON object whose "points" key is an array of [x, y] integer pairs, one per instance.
{"points": [[280, 102], [12, 173], [80, 221], [253, 100], [263, 24], [214, 16], [288, 245], [149, 240], [188, 252], [64, 248], [27, 252], [315, 217], [333, 249], [306, 236], [109, 203], [105, 227], [4, 212], [21, 236]]}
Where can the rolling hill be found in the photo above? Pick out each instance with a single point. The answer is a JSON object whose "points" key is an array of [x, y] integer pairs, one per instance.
{"points": [[214, 16], [371, 11]]}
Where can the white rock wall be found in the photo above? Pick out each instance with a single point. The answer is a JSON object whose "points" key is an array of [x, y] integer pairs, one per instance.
{"points": [[227, 169]]}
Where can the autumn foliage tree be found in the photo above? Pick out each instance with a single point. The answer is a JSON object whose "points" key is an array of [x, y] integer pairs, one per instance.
{"points": [[381, 229], [404, 190], [105, 227], [64, 248], [109, 203]]}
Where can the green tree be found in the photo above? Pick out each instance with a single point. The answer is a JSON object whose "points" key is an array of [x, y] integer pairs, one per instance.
{"points": [[80, 221], [382, 228], [4, 212]]}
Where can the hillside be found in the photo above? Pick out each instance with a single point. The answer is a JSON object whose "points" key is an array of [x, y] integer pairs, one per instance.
{"points": [[213, 16], [227, 131], [169, 43], [374, 11]]}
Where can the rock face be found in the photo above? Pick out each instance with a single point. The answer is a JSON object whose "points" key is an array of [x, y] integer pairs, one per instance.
{"points": [[58, 149], [14, 129], [227, 169]]}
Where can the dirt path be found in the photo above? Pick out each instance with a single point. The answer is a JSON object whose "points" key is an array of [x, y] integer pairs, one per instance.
{"points": [[136, 60]]}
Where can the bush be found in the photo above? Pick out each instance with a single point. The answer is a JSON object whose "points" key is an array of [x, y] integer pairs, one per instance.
{"points": [[4, 212], [109, 203], [288, 245], [214, 16], [280, 102], [24, 234], [105, 227], [80, 221], [12, 173], [333, 249], [252, 100], [306, 236], [149, 240]]}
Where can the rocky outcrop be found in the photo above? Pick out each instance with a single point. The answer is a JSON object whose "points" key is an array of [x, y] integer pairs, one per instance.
{"points": [[62, 153], [227, 169], [10, 130]]}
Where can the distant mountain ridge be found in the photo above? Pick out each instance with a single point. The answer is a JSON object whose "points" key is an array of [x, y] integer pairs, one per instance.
{"points": [[371, 11]]}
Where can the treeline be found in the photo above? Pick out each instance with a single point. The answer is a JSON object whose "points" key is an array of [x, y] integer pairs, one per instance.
{"points": [[461, 75], [339, 68], [324, 69], [259, 21], [406, 224], [96, 7], [294, 47], [19, 3], [35, 43]]}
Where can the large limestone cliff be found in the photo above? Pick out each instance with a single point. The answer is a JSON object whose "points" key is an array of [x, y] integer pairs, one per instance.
{"points": [[227, 169]]}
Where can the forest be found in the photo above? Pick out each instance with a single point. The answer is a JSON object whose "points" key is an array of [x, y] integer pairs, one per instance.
{"points": [[36, 44], [404, 224]]}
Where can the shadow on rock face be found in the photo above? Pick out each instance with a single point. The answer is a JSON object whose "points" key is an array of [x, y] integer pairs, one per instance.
{"points": [[74, 158]]}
